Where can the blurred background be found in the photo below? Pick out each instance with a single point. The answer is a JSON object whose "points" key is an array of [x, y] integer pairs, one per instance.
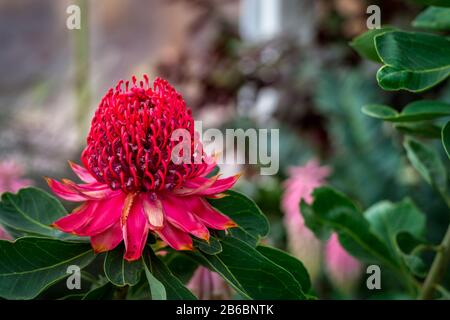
{"points": [[282, 64]]}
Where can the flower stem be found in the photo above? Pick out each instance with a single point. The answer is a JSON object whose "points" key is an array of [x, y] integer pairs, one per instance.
{"points": [[438, 268]]}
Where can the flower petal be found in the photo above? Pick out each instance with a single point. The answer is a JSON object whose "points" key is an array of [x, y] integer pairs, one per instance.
{"points": [[82, 173], [217, 196], [208, 215], [108, 239], [69, 190], [221, 185], [175, 238], [211, 162], [178, 215], [107, 213], [135, 230], [65, 192], [93, 190], [203, 186], [153, 211], [78, 218], [195, 186]]}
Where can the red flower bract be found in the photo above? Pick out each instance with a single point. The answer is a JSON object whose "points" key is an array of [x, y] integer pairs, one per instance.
{"points": [[132, 186], [129, 146]]}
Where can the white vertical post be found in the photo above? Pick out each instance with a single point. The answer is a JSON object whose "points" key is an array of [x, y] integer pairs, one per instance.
{"points": [[260, 19]]}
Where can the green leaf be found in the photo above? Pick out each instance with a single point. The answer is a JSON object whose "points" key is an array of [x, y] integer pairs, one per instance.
{"points": [[141, 291], [433, 18], [414, 70], [428, 163], [446, 138], [314, 222], [75, 296], [424, 110], [420, 129], [415, 111], [252, 224], [437, 3], [251, 273], [29, 265], [364, 44], [407, 243], [181, 265], [120, 271], [379, 111], [214, 263], [175, 290], [104, 292], [387, 220], [212, 247], [157, 289], [335, 211], [416, 265], [288, 262], [392, 79], [31, 211]]}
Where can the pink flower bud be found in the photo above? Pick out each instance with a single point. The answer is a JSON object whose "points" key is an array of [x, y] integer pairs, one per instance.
{"points": [[343, 270], [299, 186], [208, 285]]}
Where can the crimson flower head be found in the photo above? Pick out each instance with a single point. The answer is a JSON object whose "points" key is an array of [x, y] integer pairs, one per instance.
{"points": [[132, 185]]}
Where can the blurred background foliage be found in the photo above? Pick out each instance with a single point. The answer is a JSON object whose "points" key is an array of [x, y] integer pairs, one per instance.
{"points": [[239, 64]]}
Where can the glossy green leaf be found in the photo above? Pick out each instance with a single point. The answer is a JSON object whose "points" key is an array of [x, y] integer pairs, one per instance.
{"points": [[434, 18], [336, 212], [414, 70], [214, 263], [29, 265], [420, 129], [141, 291], [392, 79], [211, 247], [380, 111], [407, 244], [314, 222], [175, 290], [288, 262], [182, 266], [387, 220], [429, 50], [120, 271], [416, 265], [437, 3], [365, 43], [428, 163], [252, 224], [31, 211], [415, 111], [252, 274], [104, 292], [157, 289], [75, 296], [446, 138]]}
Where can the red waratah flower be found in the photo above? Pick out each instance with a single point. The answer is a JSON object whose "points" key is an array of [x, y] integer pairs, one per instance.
{"points": [[132, 186]]}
